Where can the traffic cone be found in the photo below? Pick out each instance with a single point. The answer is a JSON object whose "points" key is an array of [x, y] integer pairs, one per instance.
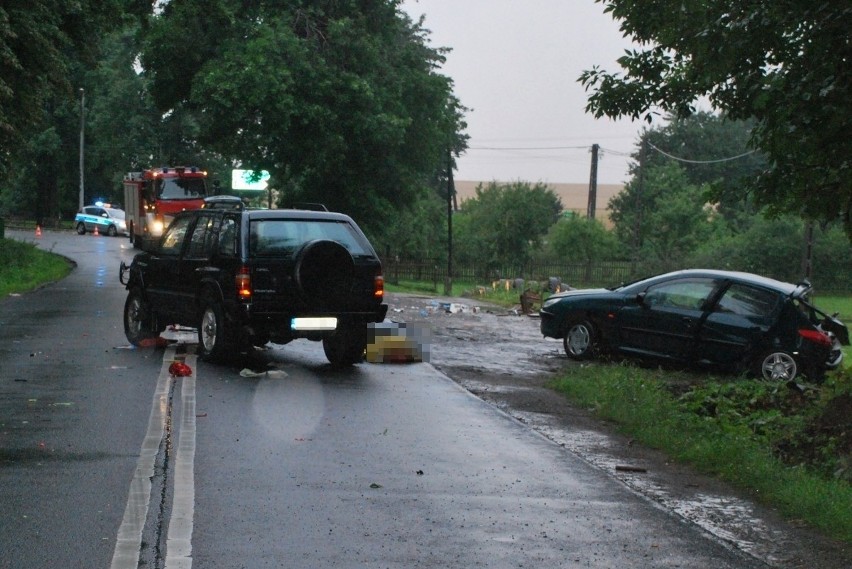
{"points": [[96, 230], [38, 230]]}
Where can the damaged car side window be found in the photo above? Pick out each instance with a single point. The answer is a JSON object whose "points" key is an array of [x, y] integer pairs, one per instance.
{"points": [[747, 301]]}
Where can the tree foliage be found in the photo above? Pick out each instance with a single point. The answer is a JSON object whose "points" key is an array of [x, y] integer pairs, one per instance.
{"points": [[124, 129], [504, 223], [580, 239], [784, 64], [340, 100], [661, 215], [40, 42], [713, 152]]}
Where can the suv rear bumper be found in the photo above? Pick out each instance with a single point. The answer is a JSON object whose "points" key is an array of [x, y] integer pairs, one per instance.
{"points": [[278, 325]]}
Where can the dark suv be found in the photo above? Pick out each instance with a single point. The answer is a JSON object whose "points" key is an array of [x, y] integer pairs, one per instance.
{"points": [[245, 278]]}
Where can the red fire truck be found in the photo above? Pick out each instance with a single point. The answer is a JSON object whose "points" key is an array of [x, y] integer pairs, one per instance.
{"points": [[153, 197]]}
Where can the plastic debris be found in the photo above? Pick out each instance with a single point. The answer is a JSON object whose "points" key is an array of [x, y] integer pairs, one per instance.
{"points": [[179, 369], [274, 373], [251, 373]]}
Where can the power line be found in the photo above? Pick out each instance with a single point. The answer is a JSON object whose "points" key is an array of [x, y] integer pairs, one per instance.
{"points": [[617, 152], [666, 154], [527, 147]]}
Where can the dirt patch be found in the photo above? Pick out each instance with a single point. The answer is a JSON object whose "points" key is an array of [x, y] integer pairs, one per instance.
{"points": [[499, 355]]}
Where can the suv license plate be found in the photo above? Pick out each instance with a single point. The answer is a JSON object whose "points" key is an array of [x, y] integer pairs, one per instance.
{"points": [[324, 323]]}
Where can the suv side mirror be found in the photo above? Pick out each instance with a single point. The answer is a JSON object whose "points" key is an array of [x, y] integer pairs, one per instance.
{"points": [[640, 298]]}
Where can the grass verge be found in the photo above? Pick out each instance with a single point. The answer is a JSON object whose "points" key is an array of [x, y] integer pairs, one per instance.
{"points": [[23, 267], [789, 448]]}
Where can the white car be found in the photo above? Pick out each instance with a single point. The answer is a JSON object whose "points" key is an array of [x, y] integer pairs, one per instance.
{"points": [[106, 220]]}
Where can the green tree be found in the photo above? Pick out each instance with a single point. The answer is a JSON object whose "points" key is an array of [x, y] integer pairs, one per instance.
{"points": [[662, 216], [504, 223], [40, 42], [340, 100], [418, 231], [583, 239], [713, 152], [124, 129], [783, 64]]}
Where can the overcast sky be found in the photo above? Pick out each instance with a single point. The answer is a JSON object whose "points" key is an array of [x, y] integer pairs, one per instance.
{"points": [[515, 64]]}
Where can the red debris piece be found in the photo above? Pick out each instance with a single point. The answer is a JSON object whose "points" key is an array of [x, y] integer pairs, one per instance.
{"points": [[153, 343], [179, 369]]}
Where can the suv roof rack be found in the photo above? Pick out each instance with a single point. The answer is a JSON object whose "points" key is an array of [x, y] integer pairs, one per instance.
{"points": [[223, 202], [311, 206]]}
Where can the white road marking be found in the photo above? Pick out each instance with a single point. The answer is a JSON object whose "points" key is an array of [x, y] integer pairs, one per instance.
{"points": [[179, 541], [178, 546]]}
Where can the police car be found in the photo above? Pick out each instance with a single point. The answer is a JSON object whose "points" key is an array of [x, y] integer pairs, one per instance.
{"points": [[101, 218]]}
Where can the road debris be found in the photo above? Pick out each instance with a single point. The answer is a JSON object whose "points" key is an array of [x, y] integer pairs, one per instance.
{"points": [[179, 369], [248, 372], [628, 468]]}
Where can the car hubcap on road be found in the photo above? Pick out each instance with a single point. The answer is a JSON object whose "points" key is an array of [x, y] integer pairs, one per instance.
{"points": [[578, 340], [779, 367]]}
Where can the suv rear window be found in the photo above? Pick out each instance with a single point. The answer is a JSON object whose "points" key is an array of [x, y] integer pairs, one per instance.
{"points": [[283, 237]]}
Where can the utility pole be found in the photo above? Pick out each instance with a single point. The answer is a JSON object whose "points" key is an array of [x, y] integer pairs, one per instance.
{"points": [[807, 254], [82, 131], [451, 192], [637, 236], [593, 183]]}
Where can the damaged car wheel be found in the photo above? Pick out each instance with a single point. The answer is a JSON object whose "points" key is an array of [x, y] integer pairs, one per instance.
{"points": [[777, 366]]}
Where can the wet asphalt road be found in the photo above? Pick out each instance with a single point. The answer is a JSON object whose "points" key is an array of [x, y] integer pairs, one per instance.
{"points": [[107, 460]]}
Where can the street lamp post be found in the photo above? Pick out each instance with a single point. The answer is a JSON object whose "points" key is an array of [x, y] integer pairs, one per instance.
{"points": [[82, 130]]}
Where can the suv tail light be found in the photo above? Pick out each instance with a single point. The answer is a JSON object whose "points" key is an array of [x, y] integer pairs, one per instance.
{"points": [[243, 283], [815, 336], [379, 286]]}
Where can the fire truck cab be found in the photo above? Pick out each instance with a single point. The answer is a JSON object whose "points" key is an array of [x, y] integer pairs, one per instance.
{"points": [[153, 197]]}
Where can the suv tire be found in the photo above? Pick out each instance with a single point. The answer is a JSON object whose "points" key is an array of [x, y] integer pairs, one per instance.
{"points": [[212, 343], [324, 272], [346, 347], [138, 318]]}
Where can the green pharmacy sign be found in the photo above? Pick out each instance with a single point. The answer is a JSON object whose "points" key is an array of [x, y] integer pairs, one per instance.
{"points": [[249, 179]]}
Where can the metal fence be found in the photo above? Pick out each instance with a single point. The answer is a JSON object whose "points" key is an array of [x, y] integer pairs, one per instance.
{"points": [[829, 280], [574, 274]]}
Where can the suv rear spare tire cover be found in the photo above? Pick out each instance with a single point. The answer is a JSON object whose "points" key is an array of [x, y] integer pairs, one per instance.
{"points": [[324, 272]]}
